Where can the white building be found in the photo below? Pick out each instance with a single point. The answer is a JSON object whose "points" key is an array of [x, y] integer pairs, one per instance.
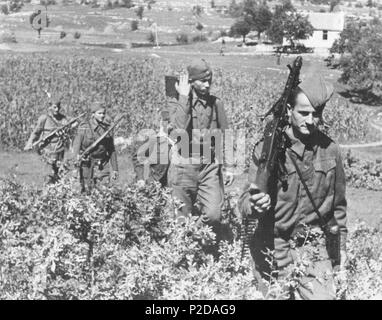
{"points": [[327, 28]]}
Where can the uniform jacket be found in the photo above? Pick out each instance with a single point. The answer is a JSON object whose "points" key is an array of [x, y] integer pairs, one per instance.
{"points": [[45, 125], [321, 166], [88, 132], [189, 113]]}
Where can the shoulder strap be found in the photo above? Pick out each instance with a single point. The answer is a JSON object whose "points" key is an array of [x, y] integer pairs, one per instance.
{"points": [[214, 109], [321, 219]]}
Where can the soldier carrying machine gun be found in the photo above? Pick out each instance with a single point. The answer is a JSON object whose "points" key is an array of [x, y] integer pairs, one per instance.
{"points": [[95, 150], [296, 191], [51, 136]]}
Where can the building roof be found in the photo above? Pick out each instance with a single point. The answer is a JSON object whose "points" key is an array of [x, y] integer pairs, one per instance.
{"points": [[333, 21]]}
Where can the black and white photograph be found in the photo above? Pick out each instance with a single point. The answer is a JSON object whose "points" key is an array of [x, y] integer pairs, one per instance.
{"points": [[196, 151]]}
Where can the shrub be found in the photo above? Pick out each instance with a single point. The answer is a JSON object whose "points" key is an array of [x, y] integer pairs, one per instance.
{"points": [[48, 2], [62, 34], [139, 12], [15, 5], [199, 38], [77, 35], [127, 4], [134, 25], [182, 38], [4, 9], [151, 37], [7, 37]]}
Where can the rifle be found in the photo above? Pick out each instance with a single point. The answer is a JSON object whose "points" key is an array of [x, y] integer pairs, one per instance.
{"points": [[42, 143], [85, 155], [271, 162]]}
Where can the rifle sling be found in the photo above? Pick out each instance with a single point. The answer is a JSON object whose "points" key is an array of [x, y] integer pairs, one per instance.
{"points": [[308, 193]]}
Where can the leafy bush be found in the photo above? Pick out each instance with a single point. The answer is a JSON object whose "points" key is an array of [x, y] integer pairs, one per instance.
{"points": [[182, 38], [62, 34], [151, 37], [77, 35], [363, 173], [112, 244], [15, 5], [48, 2], [134, 25], [199, 38], [4, 9], [7, 37]]}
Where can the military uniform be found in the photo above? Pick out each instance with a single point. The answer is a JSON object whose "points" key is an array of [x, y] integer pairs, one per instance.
{"points": [[54, 152], [293, 217], [194, 175], [97, 167]]}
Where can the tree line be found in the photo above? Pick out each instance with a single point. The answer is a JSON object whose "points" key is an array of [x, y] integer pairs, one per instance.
{"points": [[283, 22]]}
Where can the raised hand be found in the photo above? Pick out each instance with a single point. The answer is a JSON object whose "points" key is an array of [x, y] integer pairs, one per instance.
{"points": [[183, 87]]}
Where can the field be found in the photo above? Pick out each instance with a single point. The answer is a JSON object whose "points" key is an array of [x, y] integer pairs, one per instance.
{"points": [[57, 243]]}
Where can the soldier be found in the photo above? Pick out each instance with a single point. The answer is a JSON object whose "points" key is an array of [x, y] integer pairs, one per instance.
{"points": [[151, 155], [195, 174], [97, 166], [314, 205], [54, 152]]}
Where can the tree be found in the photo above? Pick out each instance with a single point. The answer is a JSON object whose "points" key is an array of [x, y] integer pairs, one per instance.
{"points": [[235, 10], [259, 17], [197, 10], [370, 3], [127, 4], [200, 27], [362, 67], [333, 4], [150, 4], [241, 27], [139, 12], [287, 23], [349, 38], [212, 4]]}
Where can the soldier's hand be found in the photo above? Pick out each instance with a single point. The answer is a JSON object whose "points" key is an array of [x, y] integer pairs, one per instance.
{"points": [[260, 201], [115, 175], [184, 86]]}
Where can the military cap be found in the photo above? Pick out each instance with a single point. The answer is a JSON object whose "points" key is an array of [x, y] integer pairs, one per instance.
{"points": [[317, 90], [54, 99], [199, 70]]}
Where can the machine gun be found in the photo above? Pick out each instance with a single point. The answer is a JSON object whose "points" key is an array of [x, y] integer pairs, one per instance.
{"points": [[271, 164], [61, 131], [86, 153]]}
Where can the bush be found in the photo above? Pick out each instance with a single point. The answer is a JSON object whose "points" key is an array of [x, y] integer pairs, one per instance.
{"points": [[112, 244], [4, 9], [15, 5], [223, 33], [7, 37], [151, 37], [358, 5], [77, 35], [62, 34], [127, 4], [182, 38], [48, 2], [134, 25], [199, 38]]}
